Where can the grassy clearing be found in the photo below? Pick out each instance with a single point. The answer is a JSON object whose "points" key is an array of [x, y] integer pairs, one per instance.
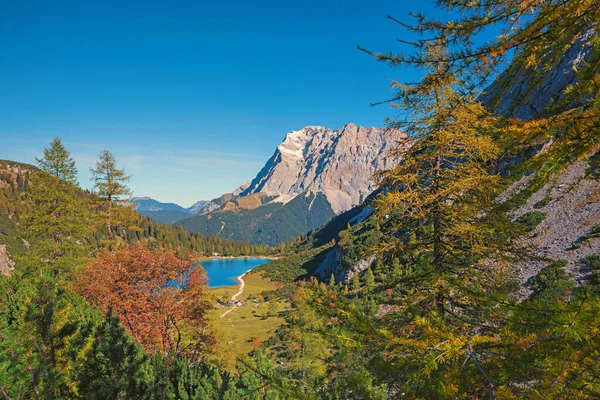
{"points": [[255, 284], [246, 326]]}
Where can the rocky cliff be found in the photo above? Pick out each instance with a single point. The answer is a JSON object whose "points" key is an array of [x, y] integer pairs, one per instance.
{"points": [[338, 163], [525, 92]]}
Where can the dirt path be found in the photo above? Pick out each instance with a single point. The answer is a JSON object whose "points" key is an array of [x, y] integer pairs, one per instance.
{"points": [[234, 297]]}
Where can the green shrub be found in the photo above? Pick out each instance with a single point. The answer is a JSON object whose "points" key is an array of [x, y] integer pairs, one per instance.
{"points": [[594, 233], [543, 203], [531, 219], [592, 279], [552, 283], [592, 262]]}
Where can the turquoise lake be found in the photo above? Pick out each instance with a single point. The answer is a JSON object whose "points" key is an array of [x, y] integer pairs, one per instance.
{"points": [[222, 272]]}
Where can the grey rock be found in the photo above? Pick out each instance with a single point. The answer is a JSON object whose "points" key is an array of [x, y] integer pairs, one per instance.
{"points": [[6, 264], [573, 211], [524, 93], [197, 207]]}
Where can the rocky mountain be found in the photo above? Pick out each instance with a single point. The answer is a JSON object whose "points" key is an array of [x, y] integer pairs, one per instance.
{"points": [[313, 175], [197, 207], [338, 163], [167, 213]]}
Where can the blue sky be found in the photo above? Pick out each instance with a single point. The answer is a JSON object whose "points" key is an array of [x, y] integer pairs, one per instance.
{"points": [[192, 97]]}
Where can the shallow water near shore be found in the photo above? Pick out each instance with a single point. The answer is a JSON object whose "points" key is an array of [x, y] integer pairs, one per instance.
{"points": [[223, 272]]}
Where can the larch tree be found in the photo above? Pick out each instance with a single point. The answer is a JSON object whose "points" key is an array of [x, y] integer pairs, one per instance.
{"points": [[111, 185], [526, 38], [57, 162], [110, 182], [458, 333], [442, 195]]}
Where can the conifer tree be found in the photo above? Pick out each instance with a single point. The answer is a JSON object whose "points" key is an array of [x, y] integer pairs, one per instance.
{"points": [[44, 337], [355, 282], [442, 193], [534, 36], [57, 162], [110, 183], [58, 225], [369, 279]]}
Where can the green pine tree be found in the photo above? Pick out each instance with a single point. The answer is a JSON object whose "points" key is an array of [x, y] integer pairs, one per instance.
{"points": [[110, 182], [369, 279], [355, 282], [57, 161]]}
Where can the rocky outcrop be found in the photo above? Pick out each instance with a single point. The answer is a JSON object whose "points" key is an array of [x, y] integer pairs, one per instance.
{"points": [[332, 264], [524, 93], [6, 264], [571, 207]]}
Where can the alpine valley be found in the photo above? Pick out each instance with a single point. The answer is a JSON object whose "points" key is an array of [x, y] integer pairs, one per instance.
{"points": [[453, 255]]}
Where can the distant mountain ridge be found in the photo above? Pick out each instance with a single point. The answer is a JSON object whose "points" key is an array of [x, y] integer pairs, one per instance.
{"points": [[167, 213], [313, 175]]}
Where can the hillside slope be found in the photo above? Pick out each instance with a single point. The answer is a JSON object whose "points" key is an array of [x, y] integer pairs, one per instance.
{"points": [[14, 200], [268, 224]]}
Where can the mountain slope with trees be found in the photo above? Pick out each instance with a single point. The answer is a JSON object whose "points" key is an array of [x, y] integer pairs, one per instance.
{"points": [[315, 174], [437, 305], [433, 301]]}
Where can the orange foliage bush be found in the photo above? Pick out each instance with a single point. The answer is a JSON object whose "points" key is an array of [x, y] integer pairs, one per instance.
{"points": [[157, 296]]}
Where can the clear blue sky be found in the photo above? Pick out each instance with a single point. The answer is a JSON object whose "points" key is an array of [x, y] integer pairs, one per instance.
{"points": [[192, 97]]}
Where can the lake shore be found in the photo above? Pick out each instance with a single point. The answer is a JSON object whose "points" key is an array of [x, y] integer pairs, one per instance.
{"points": [[207, 258]]}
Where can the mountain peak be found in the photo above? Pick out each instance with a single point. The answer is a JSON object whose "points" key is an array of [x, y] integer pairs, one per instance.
{"points": [[338, 163], [295, 142]]}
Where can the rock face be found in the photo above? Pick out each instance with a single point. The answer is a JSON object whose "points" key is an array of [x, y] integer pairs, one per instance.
{"points": [[6, 264], [338, 163], [573, 209], [524, 93]]}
